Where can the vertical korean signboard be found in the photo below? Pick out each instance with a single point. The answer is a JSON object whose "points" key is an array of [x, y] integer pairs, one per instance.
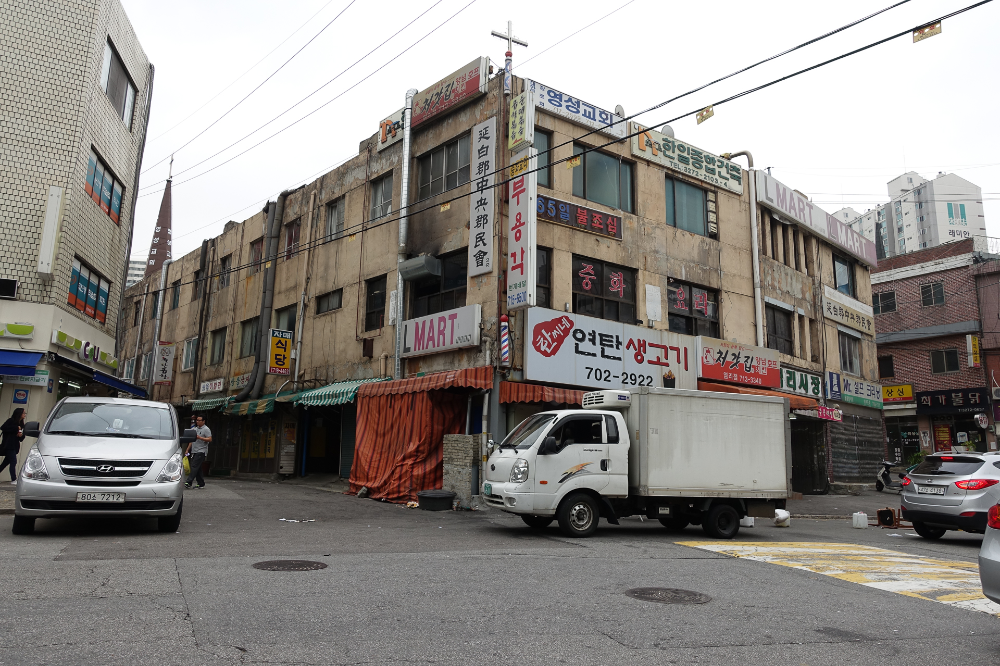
{"points": [[521, 221], [521, 128], [481, 209], [279, 358], [164, 370]]}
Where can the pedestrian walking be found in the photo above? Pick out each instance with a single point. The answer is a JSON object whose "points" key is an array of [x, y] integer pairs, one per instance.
{"points": [[198, 449], [10, 444]]}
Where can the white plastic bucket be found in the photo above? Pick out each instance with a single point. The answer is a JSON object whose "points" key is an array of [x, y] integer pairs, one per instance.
{"points": [[859, 520]]}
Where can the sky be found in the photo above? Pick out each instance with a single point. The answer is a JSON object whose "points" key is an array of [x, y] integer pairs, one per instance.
{"points": [[838, 133]]}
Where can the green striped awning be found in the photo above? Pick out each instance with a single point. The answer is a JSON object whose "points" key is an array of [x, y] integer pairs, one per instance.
{"points": [[262, 405], [208, 404], [334, 394]]}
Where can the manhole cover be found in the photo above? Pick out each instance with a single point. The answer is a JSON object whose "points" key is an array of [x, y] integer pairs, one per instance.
{"points": [[289, 565], [667, 595]]}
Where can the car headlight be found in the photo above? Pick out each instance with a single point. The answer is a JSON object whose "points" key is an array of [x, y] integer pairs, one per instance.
{"points": [[34, 466], [172, 471], [519, 472]]}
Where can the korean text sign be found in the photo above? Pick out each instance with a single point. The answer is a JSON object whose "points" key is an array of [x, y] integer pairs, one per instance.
{"points": [[897, 393], [279, 360], [682, 157], [802, 383], [738, 363], [578, 217], [483, 163], [573, 349], [848, 316], [521, 125], [451, 91], [442, 331], [164, 371], [521, 229], [953, 401], [854, 391], [574, 110]]}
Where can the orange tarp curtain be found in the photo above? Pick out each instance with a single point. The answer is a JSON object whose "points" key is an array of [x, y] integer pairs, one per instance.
{"points": [[401, 428], [795, 401], [523, 392]]}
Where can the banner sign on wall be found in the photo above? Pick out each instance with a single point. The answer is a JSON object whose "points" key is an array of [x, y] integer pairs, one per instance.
{"points": [[163, 372], [40, 378], [522, 227], [390, 130], [239, 381], [854, 391], [521, 126], [953, 401], [568, 348], [738, 363], [450, 92], [442, 331], [562, 105], [279, 359], [666, 151], [897, 393], [212, 385], [796, 207], [838, 307], [481, 209], [802, 383], [578, 217]]}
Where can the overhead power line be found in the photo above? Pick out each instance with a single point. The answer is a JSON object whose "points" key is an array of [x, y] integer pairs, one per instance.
{"points": [[573, 34], [259, 85]]}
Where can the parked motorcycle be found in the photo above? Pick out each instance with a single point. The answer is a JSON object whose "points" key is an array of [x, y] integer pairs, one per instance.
{"points": [[883, 479]]}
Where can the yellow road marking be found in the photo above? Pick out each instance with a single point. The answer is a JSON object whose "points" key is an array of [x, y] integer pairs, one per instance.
{"points": [[945, 581]]}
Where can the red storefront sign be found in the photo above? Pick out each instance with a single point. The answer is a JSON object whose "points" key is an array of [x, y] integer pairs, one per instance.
{"points": [[450, 92], [737, 363]]}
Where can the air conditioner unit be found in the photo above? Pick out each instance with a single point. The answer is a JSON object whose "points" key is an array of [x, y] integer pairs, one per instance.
{"points": [[996, 392]]}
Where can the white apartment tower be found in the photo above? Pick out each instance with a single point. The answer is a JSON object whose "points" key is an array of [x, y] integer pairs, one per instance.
{"points": [[75, 94]]}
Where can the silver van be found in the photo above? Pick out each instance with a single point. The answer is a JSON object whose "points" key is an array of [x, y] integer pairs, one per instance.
{"points": [[103, 456]]}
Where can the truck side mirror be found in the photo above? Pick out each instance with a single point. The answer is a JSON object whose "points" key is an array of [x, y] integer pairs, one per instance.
{"points": [[31, 429], [490, 447], [189, 436], [548, 446]]}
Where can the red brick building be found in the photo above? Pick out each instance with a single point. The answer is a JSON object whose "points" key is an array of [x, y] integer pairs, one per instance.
{"points": [[928, 331]]}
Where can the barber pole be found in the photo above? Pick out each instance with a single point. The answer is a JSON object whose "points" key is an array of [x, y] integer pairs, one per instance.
{"points": [[504, 341]]}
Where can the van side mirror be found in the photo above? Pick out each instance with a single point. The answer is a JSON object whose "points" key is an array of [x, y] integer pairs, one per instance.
{"points": [[189, 436], [31, 429], [548, 446]]}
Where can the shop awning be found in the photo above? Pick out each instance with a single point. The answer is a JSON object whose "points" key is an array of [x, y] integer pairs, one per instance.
{"points": [[794, 401], [334, 394], [208, 404], [119, 384], [524, 392], [262, 405], [478, 378], [19, 363]]}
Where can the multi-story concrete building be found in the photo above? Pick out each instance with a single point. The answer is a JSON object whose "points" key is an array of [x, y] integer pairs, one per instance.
{"points": [[922, 213], [929, 331], [136, 269], [545, 250], [76, 93]]}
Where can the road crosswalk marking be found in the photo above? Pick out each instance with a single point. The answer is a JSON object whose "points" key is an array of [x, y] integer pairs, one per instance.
{"points": [[946, 581]]}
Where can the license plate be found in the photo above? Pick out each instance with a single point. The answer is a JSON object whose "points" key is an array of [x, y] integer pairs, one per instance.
{"points": [[487, 489], [100, 497], [930, 490]]}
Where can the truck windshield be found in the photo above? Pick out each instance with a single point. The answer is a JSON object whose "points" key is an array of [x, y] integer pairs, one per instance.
{"points": [[524, 435], [102, 419]]}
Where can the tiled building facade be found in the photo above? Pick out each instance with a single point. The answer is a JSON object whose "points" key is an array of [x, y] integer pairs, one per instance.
{"points": [[75, 90]]}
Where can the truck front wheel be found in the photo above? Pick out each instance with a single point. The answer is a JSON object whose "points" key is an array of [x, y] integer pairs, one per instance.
{"points": [[722, 522], [578, 515], [537, 522]]}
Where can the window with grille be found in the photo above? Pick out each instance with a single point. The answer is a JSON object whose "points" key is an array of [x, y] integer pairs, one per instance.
{"points": [[932, 294], [330, 301], [335, 219], [444, 168], [381, 196], [884, 302]]}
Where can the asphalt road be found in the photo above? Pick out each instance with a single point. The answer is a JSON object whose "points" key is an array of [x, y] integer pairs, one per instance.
{"points": [[404, 586]]}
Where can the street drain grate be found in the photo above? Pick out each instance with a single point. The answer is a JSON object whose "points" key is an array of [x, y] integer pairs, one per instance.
{"points": [[667, 595], [289, 565]]}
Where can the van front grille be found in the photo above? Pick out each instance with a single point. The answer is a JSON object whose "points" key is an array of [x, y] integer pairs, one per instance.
{"points": [[104, 469]]}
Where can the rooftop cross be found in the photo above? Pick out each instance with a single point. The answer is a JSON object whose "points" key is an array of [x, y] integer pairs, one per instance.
{"points": [[511, 40]]}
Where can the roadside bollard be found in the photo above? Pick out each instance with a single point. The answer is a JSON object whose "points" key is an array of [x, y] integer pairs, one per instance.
{"points": [[860, 520]]}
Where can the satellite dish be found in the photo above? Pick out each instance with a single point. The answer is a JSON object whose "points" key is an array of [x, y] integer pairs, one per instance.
{"points": [[667, 131], [620, 111]]}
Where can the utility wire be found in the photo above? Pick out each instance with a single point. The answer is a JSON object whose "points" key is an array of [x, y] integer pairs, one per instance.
{"points": [[234, 81], [325, 104], [245, 97], [365, 225], [525, 62]]}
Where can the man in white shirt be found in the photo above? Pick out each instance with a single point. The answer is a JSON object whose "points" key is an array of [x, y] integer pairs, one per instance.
{"points": [[198, 449]]}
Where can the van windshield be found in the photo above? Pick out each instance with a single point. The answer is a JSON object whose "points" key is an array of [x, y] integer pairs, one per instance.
{"points": [[102, 419], [524, 435]]}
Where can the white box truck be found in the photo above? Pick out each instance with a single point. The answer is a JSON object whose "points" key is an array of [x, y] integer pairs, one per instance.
{"points": [[680, 456]]}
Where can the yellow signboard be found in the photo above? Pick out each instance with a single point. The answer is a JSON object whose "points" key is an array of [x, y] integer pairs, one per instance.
{"points": [[897, 393], [972, 349], [279, 360]]}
